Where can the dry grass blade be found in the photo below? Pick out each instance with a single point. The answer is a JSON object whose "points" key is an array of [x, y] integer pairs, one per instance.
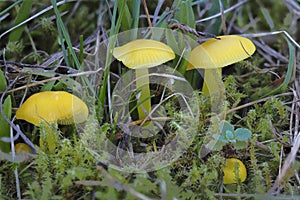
{"points": [[225, 11], [148, 17], [262, 34], [295, 143]]}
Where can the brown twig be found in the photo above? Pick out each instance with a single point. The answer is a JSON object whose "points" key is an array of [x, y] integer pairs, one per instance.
{"points": [[148, 17], [185, 28]]}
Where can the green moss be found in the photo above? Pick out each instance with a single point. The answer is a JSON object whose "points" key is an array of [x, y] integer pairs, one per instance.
{"points": [[14, 49]]}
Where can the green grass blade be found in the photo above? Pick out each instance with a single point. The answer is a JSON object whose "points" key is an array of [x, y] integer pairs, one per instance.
{"points": [[22, 15], [5, 128], [135, 15], [115, 27], [162, 22], [48, 86], [215, 26], [81, 50], [69, 53], [264, 92], [66, 35], [3, 83], [185, 15], [62, 44], [267, 17], [291, 64], [9, 7], [127, 18]]}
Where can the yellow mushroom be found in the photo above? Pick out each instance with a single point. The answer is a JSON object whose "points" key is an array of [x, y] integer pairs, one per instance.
{"points": [[232, 168], [22, 148], [53, 106], [214, 54], [140, 55]]}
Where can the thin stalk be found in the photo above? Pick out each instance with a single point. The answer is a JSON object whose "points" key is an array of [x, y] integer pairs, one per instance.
{"points": [[16, 169], [142, 80], [142, 83], [81, 54], [212, 78]]}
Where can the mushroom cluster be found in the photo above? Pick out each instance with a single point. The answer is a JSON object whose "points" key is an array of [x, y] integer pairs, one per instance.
{"points": [[212, 55]]}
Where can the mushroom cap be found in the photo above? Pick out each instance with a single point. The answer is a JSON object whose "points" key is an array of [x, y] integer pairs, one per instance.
{"points": [[143, 53], [22, 148], [218, 53], [51, 106], [229, 171]]}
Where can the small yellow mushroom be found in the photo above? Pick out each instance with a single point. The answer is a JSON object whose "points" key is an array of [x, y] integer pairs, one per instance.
{"points": [[22, 148], [140, 55], [233, 167], [53, 106], [214, 54]]}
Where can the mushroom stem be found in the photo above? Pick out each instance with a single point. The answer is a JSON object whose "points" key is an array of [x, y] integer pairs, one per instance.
{"points": [[212, 78], [144, 100]]}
